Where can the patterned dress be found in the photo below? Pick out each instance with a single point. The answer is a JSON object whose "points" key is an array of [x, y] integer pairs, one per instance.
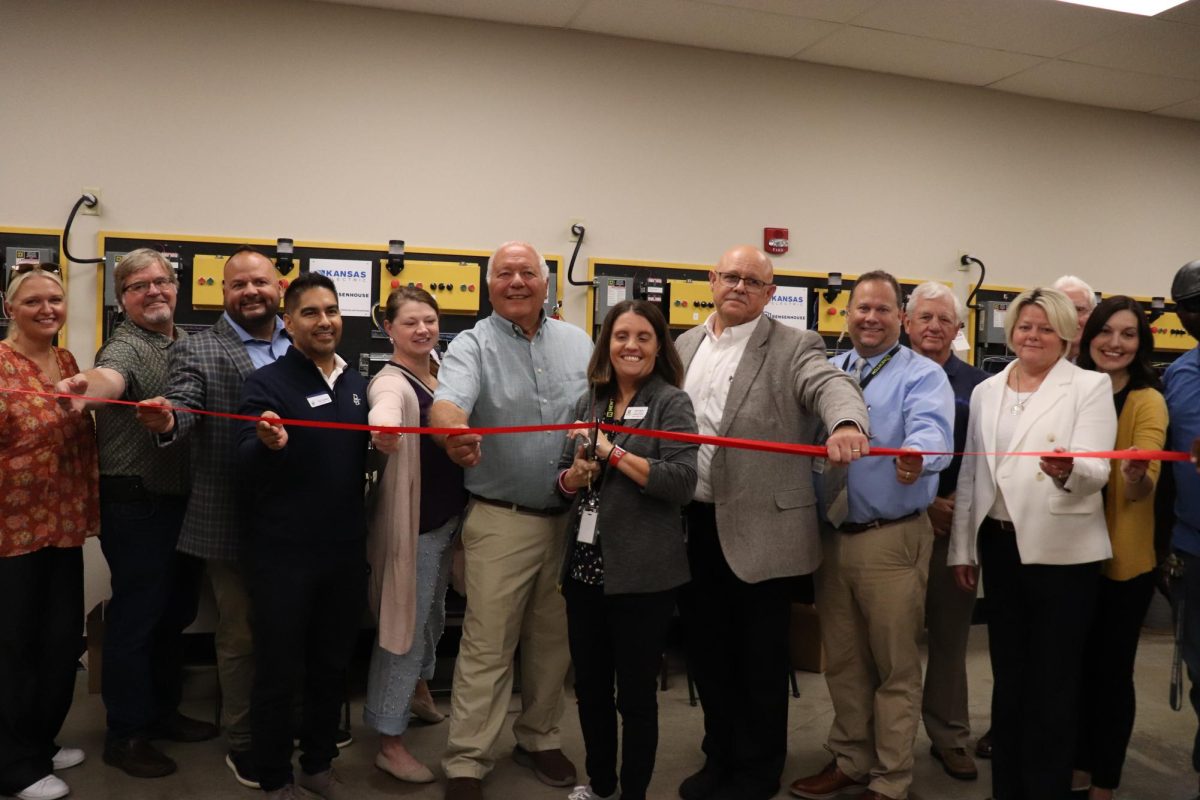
{"points": [[49, 471]]}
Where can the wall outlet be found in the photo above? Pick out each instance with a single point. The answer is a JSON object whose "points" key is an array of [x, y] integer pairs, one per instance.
{"points": [[959, 265], [93, 211], [571, 223]]}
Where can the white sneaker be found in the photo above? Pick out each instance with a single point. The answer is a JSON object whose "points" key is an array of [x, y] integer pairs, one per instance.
{"points": [[67, 757], [50, 787], [586, 793]]}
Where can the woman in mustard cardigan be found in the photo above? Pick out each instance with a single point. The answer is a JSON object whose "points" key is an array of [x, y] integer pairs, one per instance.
{"points": [[1117, 340]]}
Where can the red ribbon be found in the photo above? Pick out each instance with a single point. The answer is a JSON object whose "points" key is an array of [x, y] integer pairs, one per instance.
{"points": [[696, 438]]}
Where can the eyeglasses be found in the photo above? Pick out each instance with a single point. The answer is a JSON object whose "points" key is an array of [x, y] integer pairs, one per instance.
{"points": [[36, 266], [732, 279], [141, 287]]}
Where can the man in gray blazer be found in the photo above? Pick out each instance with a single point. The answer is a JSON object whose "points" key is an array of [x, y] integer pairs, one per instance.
{"points": [[207, 371], [753, 523]]}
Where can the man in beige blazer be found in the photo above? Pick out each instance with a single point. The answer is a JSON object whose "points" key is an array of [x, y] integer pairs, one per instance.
{"points": [[753, 523]]}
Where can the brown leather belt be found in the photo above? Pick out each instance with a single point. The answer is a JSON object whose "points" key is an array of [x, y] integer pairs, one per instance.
{"points": [[1002, 524], [859, 527], [541, 512]]}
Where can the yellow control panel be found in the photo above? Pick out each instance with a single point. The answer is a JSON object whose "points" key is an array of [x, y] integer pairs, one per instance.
{"points": [[456, 287], [691, 302], [831, 317], [1169, 334], [209, 271]]}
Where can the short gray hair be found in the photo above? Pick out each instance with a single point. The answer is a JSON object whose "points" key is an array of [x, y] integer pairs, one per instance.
{"points": [[932, 290], [135, 261], [541, 261], [1073, 282]]}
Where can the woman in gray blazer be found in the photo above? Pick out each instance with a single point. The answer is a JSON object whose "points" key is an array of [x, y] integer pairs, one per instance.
{"points": [[626, 555]]}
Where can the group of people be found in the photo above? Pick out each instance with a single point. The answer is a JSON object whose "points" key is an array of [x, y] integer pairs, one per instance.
{"points": [[580, 549]]}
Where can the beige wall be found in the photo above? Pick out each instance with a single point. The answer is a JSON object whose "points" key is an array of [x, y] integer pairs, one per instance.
{"points": [[326, 122]]}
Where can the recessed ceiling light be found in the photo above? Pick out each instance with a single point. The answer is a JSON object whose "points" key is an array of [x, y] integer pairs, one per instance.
{"points": [[1147, 8]]}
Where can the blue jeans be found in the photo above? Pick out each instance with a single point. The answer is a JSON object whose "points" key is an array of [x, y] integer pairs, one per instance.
{"points": [[393, 678], [155, 593]]}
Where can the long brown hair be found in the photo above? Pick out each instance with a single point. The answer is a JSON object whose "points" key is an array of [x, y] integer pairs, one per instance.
{"points": [[667, 363]]}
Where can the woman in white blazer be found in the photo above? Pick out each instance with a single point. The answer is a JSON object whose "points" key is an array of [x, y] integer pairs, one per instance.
{"points": [[1037, 527]]}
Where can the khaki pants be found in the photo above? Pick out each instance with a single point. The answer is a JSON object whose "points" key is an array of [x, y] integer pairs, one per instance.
{"points": [[512, 564], [948, 612], [235, 649], [871, 601]]}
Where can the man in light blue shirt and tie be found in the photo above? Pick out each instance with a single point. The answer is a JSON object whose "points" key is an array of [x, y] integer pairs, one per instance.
{"points": [[871, 586]]}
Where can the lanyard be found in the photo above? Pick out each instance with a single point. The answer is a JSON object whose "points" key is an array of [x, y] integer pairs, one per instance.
{"points": [[870, 376]]}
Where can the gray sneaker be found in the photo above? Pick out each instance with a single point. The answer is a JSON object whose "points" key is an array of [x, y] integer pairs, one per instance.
{"points": [[587, 793], [285, 792], [327, 785]]}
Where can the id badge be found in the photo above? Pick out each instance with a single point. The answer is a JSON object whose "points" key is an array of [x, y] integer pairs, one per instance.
{"points": [[587, 526]]}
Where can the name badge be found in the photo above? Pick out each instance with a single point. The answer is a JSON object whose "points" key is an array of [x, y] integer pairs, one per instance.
{"points": [[635, 412], [587, 526], [322, 399]]}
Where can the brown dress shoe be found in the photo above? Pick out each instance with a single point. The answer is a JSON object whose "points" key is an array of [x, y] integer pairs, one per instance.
{"points": [[464, 789], [550, 766], [829, 782], [956, 761]]}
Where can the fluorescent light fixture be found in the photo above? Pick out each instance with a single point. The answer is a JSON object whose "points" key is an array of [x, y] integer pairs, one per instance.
{"points": [[1147, 8]]}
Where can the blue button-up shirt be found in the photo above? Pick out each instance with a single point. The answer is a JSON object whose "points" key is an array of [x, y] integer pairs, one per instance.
{"points": [[500, 377], [1182, 381], [262, 352], [910, 404]]}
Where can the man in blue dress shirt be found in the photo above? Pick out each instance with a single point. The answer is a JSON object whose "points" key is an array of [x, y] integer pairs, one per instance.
{"points": [[1182, 383], [871, 586]]}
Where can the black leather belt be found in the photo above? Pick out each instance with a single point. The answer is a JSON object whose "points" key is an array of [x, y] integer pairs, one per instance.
{"points": [[541, 512], [1002, 524], [859, 527]]}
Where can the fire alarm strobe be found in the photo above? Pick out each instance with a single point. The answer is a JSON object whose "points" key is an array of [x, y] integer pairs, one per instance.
{"points": [[775, 240]]}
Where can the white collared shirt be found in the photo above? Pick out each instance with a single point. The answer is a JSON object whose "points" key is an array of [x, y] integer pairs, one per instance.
{"points": [[707, 383], [339, 366]]}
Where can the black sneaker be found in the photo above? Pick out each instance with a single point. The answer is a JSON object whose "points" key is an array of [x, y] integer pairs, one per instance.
{"points": [[242, 767], [138, 758], [175, 727], [343, 738]]}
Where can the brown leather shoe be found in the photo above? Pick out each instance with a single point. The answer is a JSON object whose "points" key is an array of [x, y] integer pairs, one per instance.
{"points": [[983, 748], [551, 766], [956, 761], [829, 782], [464, 789]]}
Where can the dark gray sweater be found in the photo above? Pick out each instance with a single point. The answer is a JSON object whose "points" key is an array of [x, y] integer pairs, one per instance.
{"points": [[641, 529]]}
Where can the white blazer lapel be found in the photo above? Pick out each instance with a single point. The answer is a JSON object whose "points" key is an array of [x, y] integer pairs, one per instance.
{"points": [[1042, 402]]}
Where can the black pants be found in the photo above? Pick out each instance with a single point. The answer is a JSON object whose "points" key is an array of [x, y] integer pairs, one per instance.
{"points": [[619, 636], [738, 657], [155, 591], [41, 637], [1190, 595], [1038, 617], [307, 605], [1107, 703]]}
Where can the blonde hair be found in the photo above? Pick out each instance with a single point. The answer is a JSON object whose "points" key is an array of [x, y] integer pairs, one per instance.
{"points": [[14, 282], [1060, 312]]}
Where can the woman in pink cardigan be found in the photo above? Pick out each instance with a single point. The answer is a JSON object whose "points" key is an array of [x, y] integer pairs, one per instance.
{"points": [[413, 525]]}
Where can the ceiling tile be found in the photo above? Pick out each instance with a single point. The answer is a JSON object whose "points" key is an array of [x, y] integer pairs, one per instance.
{"points": [[1098, 86], [546, 13], [1188, 110], [881, 51], [831, 10], [1037, 27], [702, 25], [1155, 46]]}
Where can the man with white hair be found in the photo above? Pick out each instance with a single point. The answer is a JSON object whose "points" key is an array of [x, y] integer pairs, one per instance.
{"points": [[933, 317], [516, 367], [1084, 300]]}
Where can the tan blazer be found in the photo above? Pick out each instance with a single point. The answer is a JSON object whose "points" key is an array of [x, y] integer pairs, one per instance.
{"points": [[1054, 524], [395, 519], [784, 390]]}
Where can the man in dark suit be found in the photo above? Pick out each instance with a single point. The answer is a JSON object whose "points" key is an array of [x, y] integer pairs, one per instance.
{"points": [[207, 372], [933, 317], [753, 523]]}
